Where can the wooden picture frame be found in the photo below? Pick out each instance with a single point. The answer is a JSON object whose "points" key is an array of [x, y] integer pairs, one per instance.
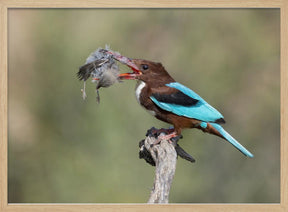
{"points": [[6, 4]]}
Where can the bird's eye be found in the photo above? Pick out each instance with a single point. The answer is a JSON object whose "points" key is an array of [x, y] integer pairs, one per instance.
{"points": [[145, 67]]}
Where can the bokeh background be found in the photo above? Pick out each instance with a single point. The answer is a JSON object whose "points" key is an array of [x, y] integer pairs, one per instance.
{"points": [[65, 150]]}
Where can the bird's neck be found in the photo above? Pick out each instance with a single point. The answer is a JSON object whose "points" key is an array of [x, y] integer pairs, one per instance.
{"points": [[139, 88], [142, 95]]}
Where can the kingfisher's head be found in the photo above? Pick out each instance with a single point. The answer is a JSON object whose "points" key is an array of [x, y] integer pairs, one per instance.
{"points": [[144, 70]]}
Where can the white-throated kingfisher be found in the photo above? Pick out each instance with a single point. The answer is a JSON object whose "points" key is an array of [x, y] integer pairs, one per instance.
{"points": [[172, 102]]}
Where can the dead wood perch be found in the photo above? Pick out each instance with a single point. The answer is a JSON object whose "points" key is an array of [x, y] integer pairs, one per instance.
{"points": [[164, 157]]}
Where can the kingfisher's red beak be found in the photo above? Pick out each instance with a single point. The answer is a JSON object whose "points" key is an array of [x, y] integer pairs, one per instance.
{"points": [[129, 62]]}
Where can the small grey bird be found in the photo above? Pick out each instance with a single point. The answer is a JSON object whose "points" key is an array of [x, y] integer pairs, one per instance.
{"points": [[103, 69]]}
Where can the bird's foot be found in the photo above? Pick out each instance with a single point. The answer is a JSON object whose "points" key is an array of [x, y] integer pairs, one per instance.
{"points": [[156, 132], [176, 139], [171, 138], [164, 134]]}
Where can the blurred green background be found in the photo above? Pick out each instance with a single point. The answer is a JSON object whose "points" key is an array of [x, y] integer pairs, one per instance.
{"points": [[66, 150]]}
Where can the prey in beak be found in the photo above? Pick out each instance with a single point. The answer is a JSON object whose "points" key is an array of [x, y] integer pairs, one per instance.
{"points": [[102, 67], [128, 62]]}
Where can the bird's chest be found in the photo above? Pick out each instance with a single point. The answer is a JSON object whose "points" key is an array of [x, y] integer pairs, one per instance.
{"points": [[142, 96], [140, 89]]}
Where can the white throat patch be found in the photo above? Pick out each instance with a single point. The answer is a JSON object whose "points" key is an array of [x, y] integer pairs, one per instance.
{"points": [[138, 92], [139, 89]]}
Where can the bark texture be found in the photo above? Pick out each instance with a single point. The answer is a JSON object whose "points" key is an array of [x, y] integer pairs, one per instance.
{"points": [[165, 157]]}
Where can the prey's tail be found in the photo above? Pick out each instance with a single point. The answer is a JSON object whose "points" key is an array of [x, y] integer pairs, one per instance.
{"points": [[222, 133]]}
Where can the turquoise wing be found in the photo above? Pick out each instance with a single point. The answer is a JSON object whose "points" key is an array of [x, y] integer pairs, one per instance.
{"points": [[201, 110]]}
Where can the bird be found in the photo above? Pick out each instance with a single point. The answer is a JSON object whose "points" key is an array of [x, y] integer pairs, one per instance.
{"points": [[174, 103]]}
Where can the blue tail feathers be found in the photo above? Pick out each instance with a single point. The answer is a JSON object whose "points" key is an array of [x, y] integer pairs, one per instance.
{"points": [[229, 138]]}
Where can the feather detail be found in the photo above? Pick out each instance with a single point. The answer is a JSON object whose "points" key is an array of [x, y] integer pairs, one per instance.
{"points": [[201, 110], [232, 140], [177, 98]]}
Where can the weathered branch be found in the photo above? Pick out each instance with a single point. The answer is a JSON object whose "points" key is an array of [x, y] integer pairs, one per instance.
{"points": [[164, 157]]}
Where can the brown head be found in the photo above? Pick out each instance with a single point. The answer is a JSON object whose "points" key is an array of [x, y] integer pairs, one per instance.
{"points": [[148, 72]]}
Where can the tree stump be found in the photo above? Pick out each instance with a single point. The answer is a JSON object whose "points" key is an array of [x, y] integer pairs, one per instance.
{"points": [[164, 157]]}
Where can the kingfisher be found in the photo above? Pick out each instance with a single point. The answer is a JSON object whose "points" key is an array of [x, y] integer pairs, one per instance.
{"points": [[174, 103]]}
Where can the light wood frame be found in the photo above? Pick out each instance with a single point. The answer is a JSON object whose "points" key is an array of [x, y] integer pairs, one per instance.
{"points": [[6, 4]]}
